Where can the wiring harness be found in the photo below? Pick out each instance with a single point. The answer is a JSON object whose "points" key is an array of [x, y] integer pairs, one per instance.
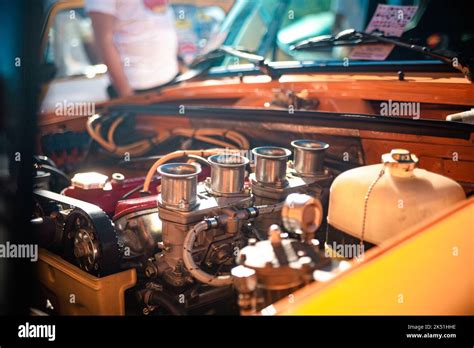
{"points": [[95, 125]]}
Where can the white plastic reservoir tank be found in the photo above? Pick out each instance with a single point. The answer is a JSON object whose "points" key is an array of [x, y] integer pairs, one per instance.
{"points": [[394, 196]]}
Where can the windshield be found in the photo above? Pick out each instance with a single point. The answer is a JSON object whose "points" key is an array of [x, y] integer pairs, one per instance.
{"points": [[270, 28]]}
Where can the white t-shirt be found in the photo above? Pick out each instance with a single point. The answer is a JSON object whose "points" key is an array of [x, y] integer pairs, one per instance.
{"points": [[145, 37]]}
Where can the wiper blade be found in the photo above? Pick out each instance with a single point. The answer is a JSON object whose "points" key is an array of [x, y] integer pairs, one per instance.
{"points": [[351, 37], [348, 37], [204, 63]]}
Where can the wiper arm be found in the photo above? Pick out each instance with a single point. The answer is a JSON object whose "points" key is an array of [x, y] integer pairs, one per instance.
{"points": [[259, 61], [351, 37], [204, 63]]}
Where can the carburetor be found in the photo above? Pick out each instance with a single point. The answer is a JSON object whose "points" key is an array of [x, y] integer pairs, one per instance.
{"points": [[275, 178], [184, 204]]}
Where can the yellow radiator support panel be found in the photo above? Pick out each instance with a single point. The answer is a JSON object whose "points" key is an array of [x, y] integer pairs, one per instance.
{"points": [[427, 271], [75, 292]]}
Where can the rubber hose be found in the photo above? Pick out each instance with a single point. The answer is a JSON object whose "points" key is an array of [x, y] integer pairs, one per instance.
{"points": [[191, 266], [160, 299]]}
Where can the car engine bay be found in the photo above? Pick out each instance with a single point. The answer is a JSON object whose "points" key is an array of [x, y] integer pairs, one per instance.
{"points": [[221, 225]]}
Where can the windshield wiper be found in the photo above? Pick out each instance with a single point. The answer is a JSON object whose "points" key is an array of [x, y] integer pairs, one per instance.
{"points": [[204, 63], [351, 37], [260, 62]]}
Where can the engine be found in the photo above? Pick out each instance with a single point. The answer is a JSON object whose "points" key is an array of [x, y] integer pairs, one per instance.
{"points": [[232, 239]]}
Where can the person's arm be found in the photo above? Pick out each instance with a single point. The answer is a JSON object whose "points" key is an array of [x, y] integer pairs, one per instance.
{"points": [[103, 25]]}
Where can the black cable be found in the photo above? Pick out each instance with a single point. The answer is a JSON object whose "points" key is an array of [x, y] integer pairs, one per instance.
{"points": [[132, 191], [160, 299], [56, 171]]}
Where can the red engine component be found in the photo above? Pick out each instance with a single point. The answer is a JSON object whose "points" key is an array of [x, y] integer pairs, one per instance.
{"points": [[131, 205], [107, 196], [99, 190]]}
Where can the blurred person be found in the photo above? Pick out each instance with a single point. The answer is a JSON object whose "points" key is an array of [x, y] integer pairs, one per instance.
{"points": [[137, 41]]}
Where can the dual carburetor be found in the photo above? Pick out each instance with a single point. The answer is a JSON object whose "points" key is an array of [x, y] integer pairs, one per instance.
{"points": [[275, 177], [184, 205]]}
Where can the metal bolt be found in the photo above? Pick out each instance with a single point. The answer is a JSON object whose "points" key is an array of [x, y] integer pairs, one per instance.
{"points": [[80, 249], [118, 178], [401, 76], [274, 234], [150, 271]]}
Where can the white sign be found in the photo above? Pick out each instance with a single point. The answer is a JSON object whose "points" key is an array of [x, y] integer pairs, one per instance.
{"points": [[391, 21]]}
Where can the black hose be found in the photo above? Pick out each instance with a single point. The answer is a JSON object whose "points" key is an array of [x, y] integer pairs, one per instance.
{"points": [[160, 299], [56, 171]]}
